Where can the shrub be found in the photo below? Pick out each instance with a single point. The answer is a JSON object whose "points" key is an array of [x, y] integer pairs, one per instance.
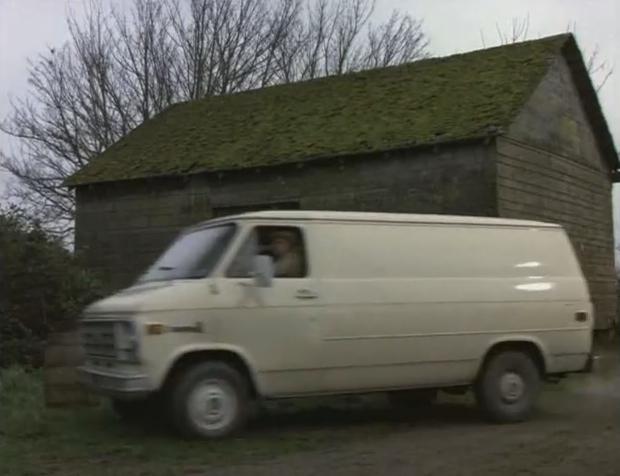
{"points": [[42, 289], [21, 400]]}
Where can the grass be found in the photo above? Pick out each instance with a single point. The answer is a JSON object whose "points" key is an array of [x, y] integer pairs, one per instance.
{"points": [[35, 440], [92, 441]]}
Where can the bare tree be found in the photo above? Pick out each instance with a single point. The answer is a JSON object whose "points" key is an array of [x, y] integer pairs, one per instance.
{"points": [[519, 30], [341, 51], [399, 40], [336, 37], [599, 68], [122, 66], [143, 53]]}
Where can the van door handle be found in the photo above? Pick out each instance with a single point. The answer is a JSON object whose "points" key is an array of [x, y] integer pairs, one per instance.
{"points": [[306, 294]]}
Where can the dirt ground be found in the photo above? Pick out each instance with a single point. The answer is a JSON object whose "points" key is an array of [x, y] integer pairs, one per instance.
{"points": [[576, 431]]}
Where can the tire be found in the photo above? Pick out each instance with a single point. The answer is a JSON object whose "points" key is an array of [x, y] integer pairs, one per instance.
{"points": [[210, 386], [413, 399], [508, 387]]}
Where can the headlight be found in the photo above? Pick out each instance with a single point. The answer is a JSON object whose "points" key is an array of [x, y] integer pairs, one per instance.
{"points": [[127, 341]]}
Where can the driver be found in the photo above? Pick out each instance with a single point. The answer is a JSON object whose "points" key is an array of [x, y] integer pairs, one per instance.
{"points": [[287, 259]]}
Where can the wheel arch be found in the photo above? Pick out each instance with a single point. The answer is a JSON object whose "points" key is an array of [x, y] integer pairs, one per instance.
{"points": [[532, 346], [187, 357]]}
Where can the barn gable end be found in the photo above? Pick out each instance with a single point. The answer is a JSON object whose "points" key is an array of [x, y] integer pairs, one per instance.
{"points": [[551, 166]]}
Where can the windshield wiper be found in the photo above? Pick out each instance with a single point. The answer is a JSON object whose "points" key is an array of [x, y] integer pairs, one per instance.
{"points": [[165, 268]]}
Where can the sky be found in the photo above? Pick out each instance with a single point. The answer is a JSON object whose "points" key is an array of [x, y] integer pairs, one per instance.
{"points": [[28, 27]]}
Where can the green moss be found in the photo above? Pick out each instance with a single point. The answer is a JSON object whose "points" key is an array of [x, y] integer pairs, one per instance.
{"points": [[436, 100]]}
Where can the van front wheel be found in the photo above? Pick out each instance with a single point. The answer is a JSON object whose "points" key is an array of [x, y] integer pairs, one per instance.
{"points": [[508, 387], [210, 400]]}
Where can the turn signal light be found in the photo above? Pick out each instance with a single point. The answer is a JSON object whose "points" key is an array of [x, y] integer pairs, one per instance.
{"points": [[155, 329]]}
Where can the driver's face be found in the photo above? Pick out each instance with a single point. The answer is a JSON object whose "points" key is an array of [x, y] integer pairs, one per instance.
{"points": [[281, 246]]}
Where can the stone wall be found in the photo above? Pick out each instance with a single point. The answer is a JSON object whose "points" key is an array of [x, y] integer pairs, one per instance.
{"points": [[549, 168], [121, 227]]}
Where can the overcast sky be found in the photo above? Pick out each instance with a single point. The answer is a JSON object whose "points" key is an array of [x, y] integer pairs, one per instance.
{"points": [[27, 27]]}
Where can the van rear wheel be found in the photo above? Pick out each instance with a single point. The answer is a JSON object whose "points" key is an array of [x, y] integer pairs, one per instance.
{"points": [[209, 400], [508, 387]]}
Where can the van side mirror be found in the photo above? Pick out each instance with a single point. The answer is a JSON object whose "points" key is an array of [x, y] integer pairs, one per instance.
{"points": [[263, 271]]}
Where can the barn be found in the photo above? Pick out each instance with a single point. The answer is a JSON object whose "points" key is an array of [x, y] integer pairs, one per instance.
{"points": [[513, 131]]}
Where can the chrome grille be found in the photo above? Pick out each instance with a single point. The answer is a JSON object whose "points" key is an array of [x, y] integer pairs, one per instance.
{"points": [[98, 338]]}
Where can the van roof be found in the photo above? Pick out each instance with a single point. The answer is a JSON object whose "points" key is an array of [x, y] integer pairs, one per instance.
{"points": [[382, 217]]}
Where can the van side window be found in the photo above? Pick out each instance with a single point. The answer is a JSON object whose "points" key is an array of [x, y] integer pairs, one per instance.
{"points": [[285, 246]]}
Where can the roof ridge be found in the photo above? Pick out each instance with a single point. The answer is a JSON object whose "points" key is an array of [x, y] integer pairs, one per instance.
{"points": [[420, 62]]}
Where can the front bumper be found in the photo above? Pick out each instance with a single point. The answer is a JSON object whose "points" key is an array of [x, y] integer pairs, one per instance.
{"points": [[122, 386]]}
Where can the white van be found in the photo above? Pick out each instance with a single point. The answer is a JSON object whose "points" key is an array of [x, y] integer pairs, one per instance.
{"points": [[283, 304]]}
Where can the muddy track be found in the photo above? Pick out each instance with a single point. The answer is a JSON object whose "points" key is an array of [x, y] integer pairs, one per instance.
{"points": [[576, 431]]}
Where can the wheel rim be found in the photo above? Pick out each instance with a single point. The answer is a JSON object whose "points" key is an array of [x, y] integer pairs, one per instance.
{"points": [[512, 387], [212, 405]]}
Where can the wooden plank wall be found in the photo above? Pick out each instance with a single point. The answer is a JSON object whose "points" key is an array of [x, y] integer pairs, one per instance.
{"points": [[549, 168]]}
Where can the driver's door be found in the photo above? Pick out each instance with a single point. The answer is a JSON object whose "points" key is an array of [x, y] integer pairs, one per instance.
{"points": [[276, 326]]}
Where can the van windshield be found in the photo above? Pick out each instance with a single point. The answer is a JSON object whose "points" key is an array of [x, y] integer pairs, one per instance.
{"points": [[193, 255]]}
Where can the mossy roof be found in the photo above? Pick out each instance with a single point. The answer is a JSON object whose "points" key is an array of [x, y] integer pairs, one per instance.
{"points": [[438, 100]]}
